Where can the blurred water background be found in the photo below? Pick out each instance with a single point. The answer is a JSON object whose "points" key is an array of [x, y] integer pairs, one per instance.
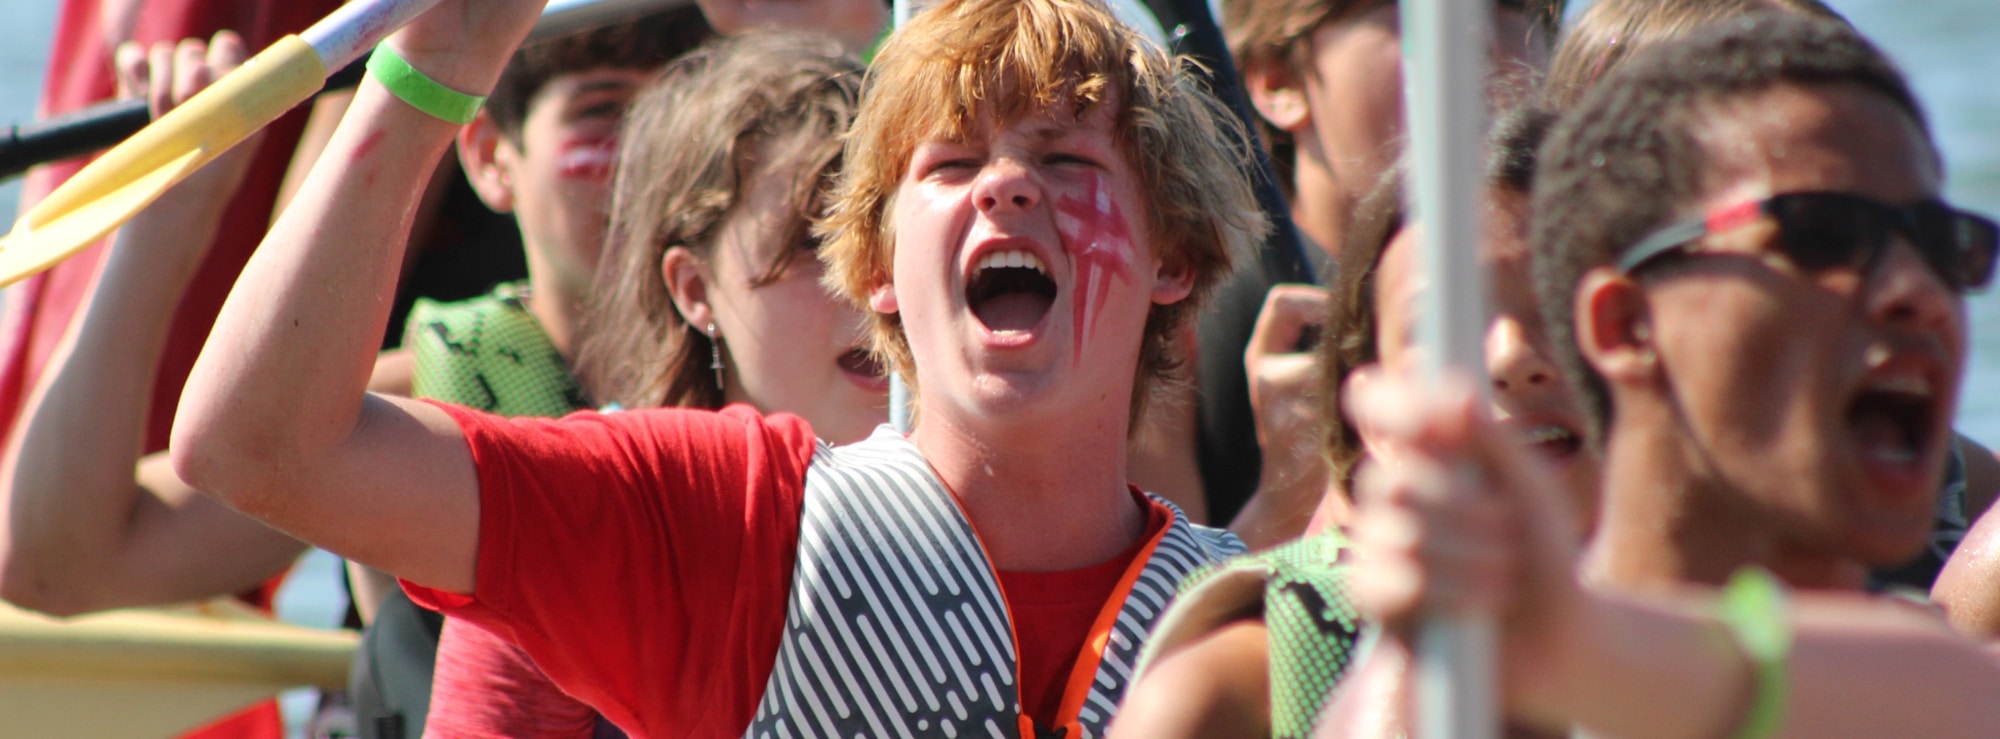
{"points": [[1949, 48]]}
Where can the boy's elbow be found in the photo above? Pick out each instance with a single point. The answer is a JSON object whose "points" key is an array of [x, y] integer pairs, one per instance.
{"points": [[208, 459], [191, 448], [27, 585]]}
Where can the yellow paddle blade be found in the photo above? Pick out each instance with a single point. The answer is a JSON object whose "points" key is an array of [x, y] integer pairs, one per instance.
{"points": [[108, 192], [26, 254]]}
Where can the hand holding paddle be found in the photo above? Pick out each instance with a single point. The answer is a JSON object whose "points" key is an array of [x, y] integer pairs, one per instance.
{"points": [[166, 75]]}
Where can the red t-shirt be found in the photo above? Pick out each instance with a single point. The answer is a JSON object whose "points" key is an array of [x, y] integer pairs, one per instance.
{"points": [[644, 560], [1053, 613]]}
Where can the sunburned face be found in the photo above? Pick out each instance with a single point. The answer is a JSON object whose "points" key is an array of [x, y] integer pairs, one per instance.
{"points": [[1023, 270], [1822, 401], [1098, 240], [789, 345], [1529, 397]]}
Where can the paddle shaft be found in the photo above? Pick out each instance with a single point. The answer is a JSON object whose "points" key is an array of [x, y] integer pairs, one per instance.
{"points": [[92, 129], [76, 134]]}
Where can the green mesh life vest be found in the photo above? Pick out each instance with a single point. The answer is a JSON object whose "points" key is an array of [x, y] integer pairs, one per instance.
{"points": [[490, 353], [1300, 590]]}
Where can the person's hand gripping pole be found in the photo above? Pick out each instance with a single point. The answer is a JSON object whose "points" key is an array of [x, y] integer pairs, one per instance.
{"points": [[1457, 518]]}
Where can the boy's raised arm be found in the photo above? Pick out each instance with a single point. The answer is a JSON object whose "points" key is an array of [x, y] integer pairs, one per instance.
{"points": [[275, 420], [80, 533]]}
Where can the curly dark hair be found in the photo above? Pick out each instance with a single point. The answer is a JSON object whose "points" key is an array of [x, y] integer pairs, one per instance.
{"points": [[1626, 159]]}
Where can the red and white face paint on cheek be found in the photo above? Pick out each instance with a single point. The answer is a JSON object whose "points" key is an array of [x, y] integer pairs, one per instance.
{"points": [[591, 159], [1099, 242]]}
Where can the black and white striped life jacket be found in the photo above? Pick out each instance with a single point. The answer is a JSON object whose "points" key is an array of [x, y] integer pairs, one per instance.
{"points": [[896, 625]]}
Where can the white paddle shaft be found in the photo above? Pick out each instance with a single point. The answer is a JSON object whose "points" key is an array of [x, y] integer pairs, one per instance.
{"points": [[356, 27]]}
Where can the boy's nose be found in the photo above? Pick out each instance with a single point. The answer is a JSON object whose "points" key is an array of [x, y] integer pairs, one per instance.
{"points": [[1006, 184], [1511, 359], [1903, 289]]}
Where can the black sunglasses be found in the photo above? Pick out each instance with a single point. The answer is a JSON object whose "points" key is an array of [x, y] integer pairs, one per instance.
{"points": [[1826, 230]]}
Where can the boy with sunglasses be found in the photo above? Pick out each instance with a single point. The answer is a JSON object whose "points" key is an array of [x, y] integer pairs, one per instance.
{"points": [[1756, 291], [1752, 283]]}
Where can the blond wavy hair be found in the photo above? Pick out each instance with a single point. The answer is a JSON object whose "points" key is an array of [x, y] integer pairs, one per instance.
{"points": [[961, 60]]}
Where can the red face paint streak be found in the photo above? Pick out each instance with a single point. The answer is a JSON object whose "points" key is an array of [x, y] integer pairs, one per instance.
{"points": [[366, 147], [1099, 242], [589, 159]]}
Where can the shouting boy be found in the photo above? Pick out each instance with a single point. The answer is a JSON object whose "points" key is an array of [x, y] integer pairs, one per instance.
{"points": [[1756, 287], [1034, 202]]}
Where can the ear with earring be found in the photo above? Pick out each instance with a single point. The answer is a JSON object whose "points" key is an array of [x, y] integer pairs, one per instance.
{"points": [[715, 354]]}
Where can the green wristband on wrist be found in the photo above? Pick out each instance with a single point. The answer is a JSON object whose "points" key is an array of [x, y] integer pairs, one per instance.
{"points": [[419, 90], [1753, 609]]}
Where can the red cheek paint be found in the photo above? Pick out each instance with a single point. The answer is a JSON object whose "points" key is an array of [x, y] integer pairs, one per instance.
{"points": [[1099, 242], [591, 159], [367, 146]]}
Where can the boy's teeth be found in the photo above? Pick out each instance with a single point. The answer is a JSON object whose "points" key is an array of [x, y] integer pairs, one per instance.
{"points": [[1895, 454], [1905, 384], [1015, 259], [1546, 434]]}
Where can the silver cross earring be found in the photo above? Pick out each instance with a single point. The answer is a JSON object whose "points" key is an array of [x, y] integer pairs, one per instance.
{"points": [[715, 355]]}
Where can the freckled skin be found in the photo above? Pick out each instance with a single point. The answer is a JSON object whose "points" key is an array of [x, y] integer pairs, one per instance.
{"points": [[1099, 242]]}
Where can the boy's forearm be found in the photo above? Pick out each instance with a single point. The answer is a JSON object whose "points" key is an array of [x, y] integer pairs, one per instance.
{"points": [[1857, 666], [283, 373], [275, 420], [1630, 656], [70, 493]]}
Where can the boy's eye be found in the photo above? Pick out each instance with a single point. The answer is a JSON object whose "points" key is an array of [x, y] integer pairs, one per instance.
{"points": [[1069, 158], [952, 167], [607, 109]]}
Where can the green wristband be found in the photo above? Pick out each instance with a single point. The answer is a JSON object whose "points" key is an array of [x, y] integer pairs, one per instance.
{"points": [[1753, 609], [419, 90]]}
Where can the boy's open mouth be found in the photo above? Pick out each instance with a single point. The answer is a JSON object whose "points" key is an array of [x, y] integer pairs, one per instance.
{"points": [[1010, 291], [859, 361], [1893, 419], [1553, 441]]}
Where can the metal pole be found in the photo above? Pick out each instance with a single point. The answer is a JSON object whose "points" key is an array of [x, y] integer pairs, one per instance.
{"points": [[899, 394], [1444, 60]]}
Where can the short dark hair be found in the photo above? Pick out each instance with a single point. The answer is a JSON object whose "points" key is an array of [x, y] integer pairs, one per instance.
{"points": [[646, 42], [1626, 159]]}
